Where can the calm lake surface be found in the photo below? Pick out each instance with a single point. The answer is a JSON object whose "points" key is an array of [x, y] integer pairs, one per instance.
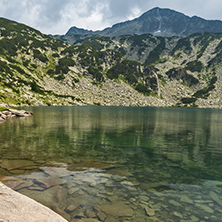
{"points": [[117, 163]]}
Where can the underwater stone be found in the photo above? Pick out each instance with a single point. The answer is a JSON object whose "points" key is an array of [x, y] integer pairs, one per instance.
{"points": [[150, 212], [194, 219], [177, 214], [215, 197], [173, 202], [204, 208], [186, 199], [119, 209]]}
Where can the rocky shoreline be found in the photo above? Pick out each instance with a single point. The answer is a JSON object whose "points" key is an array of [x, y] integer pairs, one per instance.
{"points": [[17, 207], [8, 113]]}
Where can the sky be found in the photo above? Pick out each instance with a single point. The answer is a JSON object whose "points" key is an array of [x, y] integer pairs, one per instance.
{"points": [[57, 16]]}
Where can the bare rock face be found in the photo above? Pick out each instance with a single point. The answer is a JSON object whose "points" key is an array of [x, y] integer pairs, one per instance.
{"points": [[19, 208]]}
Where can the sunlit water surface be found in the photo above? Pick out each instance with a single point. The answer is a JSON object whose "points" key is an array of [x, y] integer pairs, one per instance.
{"points": [[117, 164]]}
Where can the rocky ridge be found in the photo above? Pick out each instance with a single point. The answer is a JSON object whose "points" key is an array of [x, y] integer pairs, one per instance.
{"points": [[157, 21]]}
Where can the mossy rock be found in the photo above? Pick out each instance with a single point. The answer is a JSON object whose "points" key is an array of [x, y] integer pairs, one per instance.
{"points": [[2, 109]]}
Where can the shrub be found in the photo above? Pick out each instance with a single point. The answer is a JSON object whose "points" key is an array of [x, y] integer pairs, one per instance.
{"points": [[113, 73], [37, 44], [188, 100], [66, 62], [143, 89], [183, 44], [177, 73], [195, 66], [38, 55], [36, 88], [155, 54], [50, 72], [63, 65], [204, 93], [96, 73], [69, 50], [4, 67], [34, 66], [20, 70], [8, 47], [55, 55], [25, 63]]}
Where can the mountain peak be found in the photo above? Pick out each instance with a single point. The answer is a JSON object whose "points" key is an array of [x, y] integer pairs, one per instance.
{"points": [[78, 31], [158, 21]]}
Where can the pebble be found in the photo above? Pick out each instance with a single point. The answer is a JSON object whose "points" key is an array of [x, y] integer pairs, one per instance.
{"points": [[204, 208], [102, 216], [71, 208], [150, 212], [215, 197], [186, 199], [194, 219], [176, 204], [73, 190], [178, 214]]}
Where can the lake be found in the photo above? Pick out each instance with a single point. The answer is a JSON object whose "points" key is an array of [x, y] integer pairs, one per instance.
{"points": [[117, 163]]}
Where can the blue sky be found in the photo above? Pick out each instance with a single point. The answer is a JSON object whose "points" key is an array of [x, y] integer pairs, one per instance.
{"points": [[57, 16]]}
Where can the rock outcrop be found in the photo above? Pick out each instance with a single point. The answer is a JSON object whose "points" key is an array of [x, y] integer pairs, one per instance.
{"points": [[19, 208], [10, 113]]}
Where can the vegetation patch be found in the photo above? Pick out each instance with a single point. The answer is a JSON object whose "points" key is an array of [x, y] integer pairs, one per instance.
{"points": [[2, 109], [143, 89], [204, 93], [155, 54], [181, 74], [63, 65], [184, 45], [96, 72], [195, 66], [130, 70], [36, 88], [38, 55], [4, 68], [188, 100]]}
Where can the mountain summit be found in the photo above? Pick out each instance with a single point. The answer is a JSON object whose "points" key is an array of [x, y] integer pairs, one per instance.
{"points": [[159, 22]]}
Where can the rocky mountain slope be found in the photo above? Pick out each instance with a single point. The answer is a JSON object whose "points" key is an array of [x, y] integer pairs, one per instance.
{"points": [[133, 70], [157, 21]]}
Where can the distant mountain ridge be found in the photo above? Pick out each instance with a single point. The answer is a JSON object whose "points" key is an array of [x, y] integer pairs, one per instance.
{"points": [[159, 22]]}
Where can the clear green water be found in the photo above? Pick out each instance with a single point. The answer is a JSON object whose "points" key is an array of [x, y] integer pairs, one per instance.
{"points": [[117, 164]]}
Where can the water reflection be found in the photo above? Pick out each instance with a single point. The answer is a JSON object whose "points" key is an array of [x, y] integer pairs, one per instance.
{"points": [[155, 160]]}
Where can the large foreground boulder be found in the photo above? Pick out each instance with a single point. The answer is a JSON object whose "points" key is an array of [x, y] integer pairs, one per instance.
{"points": [[15, 207]]}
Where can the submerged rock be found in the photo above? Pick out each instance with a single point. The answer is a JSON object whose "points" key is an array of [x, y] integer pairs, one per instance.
{"points": [[118, 209], [204, 208], [71, 208], [17, 164], [150, 212], [50, 181], [215, 197], [61, 212]]}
